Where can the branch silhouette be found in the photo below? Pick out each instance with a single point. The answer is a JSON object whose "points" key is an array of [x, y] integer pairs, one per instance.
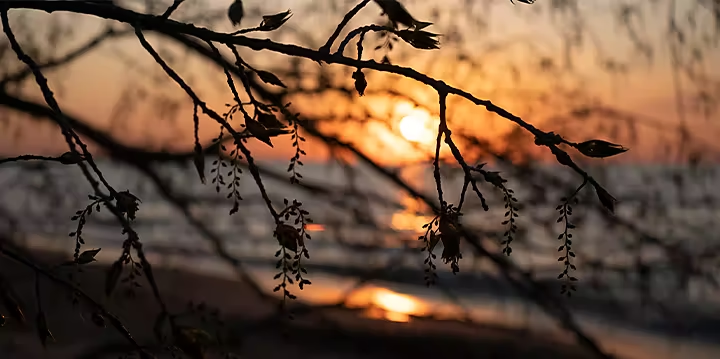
{"points": [[166, 26], [267, 115]]}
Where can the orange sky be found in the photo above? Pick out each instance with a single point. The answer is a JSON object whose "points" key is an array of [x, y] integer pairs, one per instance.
{"points": [[91, 87]]}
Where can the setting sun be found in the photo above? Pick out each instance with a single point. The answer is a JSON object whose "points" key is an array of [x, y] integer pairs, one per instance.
{"points": [[394, 302], [417, 126], [396, 307]]}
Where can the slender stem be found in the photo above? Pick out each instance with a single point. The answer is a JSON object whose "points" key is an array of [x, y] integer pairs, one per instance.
{"points": [[27, 158], [346, 19], [171, 9], [436, 163], [38, 270], [214, 115]]}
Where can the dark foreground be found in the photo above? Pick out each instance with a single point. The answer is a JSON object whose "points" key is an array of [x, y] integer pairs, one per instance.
{"points": [[258, 333]]}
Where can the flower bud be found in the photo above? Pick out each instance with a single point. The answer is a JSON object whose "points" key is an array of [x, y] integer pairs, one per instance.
{"points": [[599, 148], [236, 12]]}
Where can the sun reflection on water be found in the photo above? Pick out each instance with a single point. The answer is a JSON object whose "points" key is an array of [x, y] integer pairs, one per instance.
{"points": [[315, 227], [382, 303]]}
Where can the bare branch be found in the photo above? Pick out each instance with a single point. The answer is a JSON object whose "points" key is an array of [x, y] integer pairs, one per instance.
{"points": [[176, 4]]}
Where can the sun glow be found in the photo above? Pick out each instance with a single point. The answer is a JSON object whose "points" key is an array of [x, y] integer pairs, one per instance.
{"points": [[383, 303], [418, 126], [395, 302], [393, 306]]}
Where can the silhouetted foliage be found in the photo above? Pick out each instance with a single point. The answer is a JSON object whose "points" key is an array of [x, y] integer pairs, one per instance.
{"points": [[260, 109]]}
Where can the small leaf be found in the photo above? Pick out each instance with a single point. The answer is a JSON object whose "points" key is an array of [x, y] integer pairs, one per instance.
{"points": [[397, 14], [273, 22], [269, 121], [98, 319], [235, 208], [422, 40], [87, 256], [433, 241], [42, 329], [258, 131], [607, 200], [10, 301], [600, 148], [270, 78], [199, 162]]}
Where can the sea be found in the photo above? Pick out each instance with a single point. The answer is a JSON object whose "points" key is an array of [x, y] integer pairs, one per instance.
{"points": [[365, 246]]}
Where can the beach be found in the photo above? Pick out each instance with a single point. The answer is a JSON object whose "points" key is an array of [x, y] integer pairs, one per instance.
{"points": [[330, 333]]}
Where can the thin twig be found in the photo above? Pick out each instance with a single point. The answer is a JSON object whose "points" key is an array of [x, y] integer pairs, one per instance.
{"points": [[214, 115], [71, 138], [346, 19], [176, 4], [359, 31], [28, 158], [116, 322], [438, 143]]}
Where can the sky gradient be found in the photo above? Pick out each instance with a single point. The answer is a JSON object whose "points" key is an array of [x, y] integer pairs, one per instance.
{"points": [[508, 41]]}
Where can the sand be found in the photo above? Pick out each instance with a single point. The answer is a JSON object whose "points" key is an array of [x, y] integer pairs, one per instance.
{"points": [[327, 333]]}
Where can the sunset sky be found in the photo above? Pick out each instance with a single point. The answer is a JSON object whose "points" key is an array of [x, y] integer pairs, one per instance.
{"points": [[497, 36]]}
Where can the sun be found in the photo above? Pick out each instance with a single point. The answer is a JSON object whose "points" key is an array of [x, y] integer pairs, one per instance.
{"points": [[417, 126]]}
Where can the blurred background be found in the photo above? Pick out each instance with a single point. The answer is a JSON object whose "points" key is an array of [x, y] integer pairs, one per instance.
{"points": [[641, 73]]}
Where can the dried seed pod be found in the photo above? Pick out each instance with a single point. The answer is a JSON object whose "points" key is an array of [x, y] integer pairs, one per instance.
{"points": [[71, 158], [236, 12], [360, 82], [288, 237], [127, 203]]}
